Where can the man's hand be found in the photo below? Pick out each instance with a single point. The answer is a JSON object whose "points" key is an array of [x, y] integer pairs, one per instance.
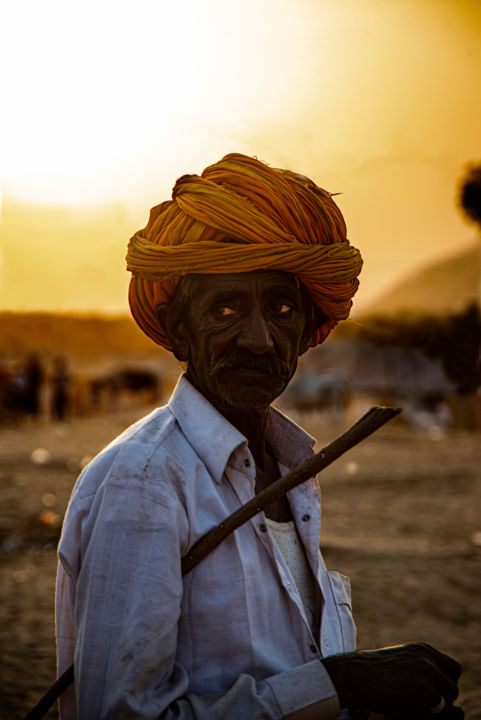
{"points": [[404, 681]]}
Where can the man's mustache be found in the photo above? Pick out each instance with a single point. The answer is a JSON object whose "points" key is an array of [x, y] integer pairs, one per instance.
{"points": [[267, 363]]}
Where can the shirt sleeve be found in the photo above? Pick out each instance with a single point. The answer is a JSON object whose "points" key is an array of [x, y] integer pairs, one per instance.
{"points": [[64, 603], [125, 610]]}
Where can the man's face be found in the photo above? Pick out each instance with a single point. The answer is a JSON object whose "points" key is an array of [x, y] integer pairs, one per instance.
{"points": [[245, 333]]}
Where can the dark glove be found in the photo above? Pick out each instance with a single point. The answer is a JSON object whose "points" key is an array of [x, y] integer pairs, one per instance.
{"points": [[404, 682]]}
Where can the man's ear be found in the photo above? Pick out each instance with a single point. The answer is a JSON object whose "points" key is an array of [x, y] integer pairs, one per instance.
{"points": [[304, 346], [306, 335], [175, 330], [314, 319]]}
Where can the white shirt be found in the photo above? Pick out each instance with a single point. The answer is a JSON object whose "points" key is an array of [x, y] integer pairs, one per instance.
{"points": [[231, 639]]}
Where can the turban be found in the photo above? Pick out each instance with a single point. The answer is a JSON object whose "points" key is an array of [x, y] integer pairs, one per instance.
{"points": [[241, 215]]}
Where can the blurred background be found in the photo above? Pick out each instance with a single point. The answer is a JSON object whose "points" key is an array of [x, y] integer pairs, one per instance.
{"points": [[104, 106]]}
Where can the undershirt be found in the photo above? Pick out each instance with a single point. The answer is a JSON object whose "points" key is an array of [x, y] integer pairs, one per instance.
{"points": [[290, 545]]}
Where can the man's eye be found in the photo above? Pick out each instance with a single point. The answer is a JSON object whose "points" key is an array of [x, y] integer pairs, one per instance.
{"points": [[224, 310], [282, 308]]}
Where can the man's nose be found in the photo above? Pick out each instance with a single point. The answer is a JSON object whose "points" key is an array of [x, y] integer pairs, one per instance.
{"points": [[255, 335]]}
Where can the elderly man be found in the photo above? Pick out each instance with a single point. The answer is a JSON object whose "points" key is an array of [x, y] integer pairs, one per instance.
{"points": [[246, 268]]}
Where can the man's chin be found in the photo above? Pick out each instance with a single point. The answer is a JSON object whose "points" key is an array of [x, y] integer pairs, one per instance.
{"points": [[253, 392]]}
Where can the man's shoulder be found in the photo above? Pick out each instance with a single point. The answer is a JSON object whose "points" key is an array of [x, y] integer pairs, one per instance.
{"points": [[135, 454], [133, 478]]}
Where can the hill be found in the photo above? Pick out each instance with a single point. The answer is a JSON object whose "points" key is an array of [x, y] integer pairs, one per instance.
{"points": [[49, 333], [445, 286]]}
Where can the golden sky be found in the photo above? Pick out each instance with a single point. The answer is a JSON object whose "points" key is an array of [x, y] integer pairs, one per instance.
{"points": [[106, 103]]}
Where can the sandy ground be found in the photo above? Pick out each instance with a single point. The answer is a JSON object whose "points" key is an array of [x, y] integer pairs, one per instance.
{"points": [[401, 517]]}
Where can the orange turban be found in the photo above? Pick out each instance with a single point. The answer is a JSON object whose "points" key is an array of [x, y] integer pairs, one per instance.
{"points": [[285, 222]]}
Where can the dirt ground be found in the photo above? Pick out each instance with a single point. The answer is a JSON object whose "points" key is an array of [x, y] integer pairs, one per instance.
{"points": [[401, 517]]}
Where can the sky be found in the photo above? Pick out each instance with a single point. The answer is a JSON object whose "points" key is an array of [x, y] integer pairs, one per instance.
{"points": [[107, 103]]}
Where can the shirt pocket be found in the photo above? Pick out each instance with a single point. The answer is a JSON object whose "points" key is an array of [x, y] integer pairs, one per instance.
{"points": [[341, 590]]}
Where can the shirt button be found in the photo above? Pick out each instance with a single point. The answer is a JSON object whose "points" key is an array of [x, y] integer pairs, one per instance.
{"points": [[262, 527], [313, 649], [247, 462], [306, 517]]}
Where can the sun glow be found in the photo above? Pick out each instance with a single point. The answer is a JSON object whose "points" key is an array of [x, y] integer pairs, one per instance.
{"points": [[96, 88]]}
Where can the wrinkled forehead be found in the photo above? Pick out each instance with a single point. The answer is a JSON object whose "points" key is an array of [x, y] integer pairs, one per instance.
{"points": [[258, 282]]}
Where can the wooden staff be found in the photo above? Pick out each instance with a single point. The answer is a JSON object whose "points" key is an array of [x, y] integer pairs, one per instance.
{"points": [[369, 423]]}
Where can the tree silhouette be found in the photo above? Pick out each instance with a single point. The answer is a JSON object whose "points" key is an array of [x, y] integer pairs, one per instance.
{"points": [[470, 193]]}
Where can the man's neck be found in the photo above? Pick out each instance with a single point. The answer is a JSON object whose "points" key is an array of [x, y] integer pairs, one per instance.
{"points": [[250, 419], [251, 422]]}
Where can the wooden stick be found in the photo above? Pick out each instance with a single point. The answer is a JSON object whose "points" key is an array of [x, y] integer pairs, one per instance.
{"points": [[369, 423], [53, 693]]}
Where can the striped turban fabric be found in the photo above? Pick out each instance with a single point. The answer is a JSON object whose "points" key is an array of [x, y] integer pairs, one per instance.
{"points": [[242, 215]]}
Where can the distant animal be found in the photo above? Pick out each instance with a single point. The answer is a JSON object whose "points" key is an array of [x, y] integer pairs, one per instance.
{"points": [[136, 380], [326, 391], [106, 391]]}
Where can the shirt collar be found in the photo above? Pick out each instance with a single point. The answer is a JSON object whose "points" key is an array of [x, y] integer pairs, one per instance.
{"points": [[289, 442], [214, 439], [207, 431]]}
